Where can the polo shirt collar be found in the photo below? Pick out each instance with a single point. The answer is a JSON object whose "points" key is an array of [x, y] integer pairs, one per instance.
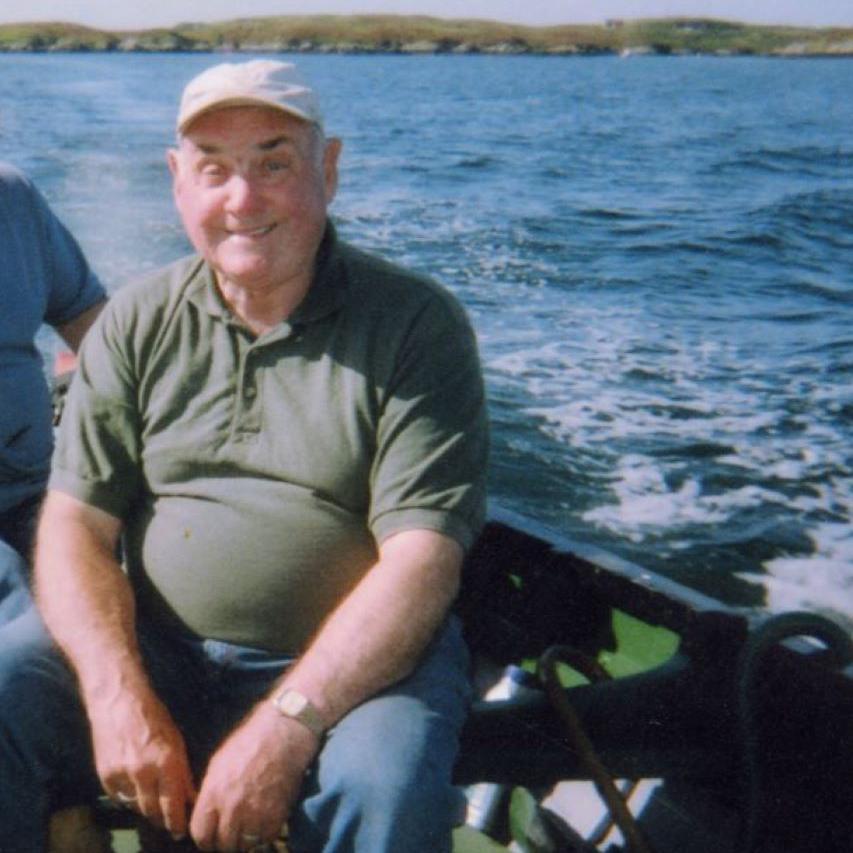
{"points": [[328, 289], [205, 294]]}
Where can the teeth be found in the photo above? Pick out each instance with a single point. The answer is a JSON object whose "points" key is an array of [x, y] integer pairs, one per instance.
{"points": [[254, 232]]}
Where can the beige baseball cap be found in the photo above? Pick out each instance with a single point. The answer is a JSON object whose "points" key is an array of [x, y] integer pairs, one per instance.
{"points": [[260, 82]]}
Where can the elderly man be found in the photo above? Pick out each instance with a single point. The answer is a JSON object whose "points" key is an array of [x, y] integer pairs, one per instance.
{"points": [[44, 278], [288, 437]]}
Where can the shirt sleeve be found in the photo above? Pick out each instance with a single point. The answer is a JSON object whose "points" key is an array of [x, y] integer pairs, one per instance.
{"points": [[72, 285], [430, 466], [98, 450]]}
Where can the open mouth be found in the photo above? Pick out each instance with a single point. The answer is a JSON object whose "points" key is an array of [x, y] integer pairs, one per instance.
{"points": [[251, 233]]}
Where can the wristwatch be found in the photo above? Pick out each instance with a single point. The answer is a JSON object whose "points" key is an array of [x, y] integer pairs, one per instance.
{"points": [[291, 703]]}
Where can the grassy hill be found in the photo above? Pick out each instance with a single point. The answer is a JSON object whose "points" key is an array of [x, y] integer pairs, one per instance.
{"points": [[421, 34]]}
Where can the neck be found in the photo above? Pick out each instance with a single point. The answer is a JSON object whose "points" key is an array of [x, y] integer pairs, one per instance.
{"points": [[263, 307]]}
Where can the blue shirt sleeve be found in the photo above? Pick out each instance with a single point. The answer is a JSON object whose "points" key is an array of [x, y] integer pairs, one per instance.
{"points": [[72, 285]]}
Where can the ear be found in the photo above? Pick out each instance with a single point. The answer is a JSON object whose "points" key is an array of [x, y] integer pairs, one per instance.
{"points": [[331, 155], [172, 160]]}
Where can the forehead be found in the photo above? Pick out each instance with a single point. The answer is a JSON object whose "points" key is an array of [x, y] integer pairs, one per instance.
{"points": [[246, 128]]}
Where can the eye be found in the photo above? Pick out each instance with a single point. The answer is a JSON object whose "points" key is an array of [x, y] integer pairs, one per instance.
{"points": [[275, 167], [212, 173]]}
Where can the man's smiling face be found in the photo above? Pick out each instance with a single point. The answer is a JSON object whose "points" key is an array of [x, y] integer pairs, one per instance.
{"points": [[252, 185]]}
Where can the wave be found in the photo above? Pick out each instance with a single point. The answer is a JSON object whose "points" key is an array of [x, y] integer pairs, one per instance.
{"points": [[481, 161], [608, 214], [818, 216], [808, 160], [839, 295], [789, 317], [817, 579]]}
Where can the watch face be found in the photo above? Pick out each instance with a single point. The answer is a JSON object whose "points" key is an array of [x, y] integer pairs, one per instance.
{"points": [[291, 703]]}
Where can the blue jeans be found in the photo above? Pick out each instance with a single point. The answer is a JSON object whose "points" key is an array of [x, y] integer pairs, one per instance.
{"points": [[382, 781], [16, 531], [14, 591]]}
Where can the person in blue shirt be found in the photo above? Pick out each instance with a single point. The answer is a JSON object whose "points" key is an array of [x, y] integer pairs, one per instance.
{"points": [[44, 278]]}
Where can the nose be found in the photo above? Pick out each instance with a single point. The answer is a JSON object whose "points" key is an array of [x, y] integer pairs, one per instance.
{"points": [[243, 194]]}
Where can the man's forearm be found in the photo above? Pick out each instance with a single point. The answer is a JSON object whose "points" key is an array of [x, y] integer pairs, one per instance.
{"points": [[379, 632], [83, 594], [87, 604], [75, 330]]}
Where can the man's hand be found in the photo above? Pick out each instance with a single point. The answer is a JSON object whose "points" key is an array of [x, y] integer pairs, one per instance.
{"points": [[141, 759], [252, 782]]}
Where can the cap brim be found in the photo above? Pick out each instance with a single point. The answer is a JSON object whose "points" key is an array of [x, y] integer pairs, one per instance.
{"points": [[224, 103]]}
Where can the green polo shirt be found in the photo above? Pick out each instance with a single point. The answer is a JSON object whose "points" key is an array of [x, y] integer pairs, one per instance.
{"points": [[256, 475]]}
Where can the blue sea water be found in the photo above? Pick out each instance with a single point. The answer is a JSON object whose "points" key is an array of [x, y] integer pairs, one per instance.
{"points": [[657, 254]]}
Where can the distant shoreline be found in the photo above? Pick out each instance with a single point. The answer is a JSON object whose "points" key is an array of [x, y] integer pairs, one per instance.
{"points": [[414, 35]]}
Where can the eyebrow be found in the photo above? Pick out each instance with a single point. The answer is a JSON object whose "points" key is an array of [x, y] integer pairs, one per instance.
{"points": [[266, 145]]}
